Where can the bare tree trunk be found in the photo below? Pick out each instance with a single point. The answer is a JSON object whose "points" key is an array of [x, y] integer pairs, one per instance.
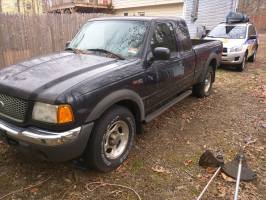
{"points": [[0, 5], [38, 6], [18, 4], [33, 6], [258, 6], [47, 5], [24, 6]]}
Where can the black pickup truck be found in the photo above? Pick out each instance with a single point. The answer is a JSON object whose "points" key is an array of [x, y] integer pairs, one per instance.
{"points": [[90, 100]]}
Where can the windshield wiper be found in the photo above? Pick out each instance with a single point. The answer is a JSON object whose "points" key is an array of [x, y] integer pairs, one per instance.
{"points": [[70, 49], [210, 36], [76, 51], [73, 49], [108, 52]]}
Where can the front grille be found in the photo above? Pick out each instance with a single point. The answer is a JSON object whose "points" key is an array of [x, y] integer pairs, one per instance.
{"points": [[224, 50], [13, 108]]}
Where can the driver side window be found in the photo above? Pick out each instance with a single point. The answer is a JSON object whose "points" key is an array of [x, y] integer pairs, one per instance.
{"points": [[163, 36]]}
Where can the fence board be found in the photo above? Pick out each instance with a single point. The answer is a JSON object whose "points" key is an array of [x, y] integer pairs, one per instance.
{"points": [[26, 36]]}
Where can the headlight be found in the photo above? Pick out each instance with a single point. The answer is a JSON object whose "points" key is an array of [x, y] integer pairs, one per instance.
{"points": [[236, 49], [56, 114]]}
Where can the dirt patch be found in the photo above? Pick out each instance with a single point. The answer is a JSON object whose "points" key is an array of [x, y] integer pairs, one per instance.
{"points": [[163, 164]]}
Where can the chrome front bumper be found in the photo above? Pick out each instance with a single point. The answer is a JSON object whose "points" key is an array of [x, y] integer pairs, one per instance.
{"points": [[233, 58], [47, 145], [39, 136]]}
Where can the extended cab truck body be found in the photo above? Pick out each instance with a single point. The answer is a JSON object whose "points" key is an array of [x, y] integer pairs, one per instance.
{"points": [[240, 43], [92, 99]]}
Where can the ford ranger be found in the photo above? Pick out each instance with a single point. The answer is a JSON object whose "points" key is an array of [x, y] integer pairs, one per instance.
{"points": [[90, 100]]}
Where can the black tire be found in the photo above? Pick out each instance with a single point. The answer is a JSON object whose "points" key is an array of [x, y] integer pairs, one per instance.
{"points": [[253, 57], [204, 89], [241, 67], [97, 154]]}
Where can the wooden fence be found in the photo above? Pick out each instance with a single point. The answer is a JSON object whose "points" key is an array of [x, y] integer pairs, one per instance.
{"points": [[26, 36]]}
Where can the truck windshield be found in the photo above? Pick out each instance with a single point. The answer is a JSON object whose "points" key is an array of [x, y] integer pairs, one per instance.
{"points": [[230, 32], [121, 38]]}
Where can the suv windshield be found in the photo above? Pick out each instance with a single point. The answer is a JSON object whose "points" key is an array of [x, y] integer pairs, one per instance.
{"points": [[121, 38], [229, 31]]}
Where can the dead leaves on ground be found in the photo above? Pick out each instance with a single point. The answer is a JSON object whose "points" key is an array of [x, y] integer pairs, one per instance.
{"points": [[160, 169], [188, 162], [211, 170], [227, 178]]}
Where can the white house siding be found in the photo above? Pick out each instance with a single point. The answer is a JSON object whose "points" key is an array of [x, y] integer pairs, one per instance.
{"points": [[210, 13], [149, 7], [158, 10], [118, 4]]}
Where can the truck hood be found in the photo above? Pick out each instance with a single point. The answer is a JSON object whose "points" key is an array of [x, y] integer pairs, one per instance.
{"points": [[229, 43], [47, 77]]}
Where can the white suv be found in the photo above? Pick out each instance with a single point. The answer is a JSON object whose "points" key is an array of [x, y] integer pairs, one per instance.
{"points": [[240, 43]]}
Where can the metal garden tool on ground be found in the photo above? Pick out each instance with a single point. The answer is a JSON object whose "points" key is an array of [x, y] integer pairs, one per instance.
{"points": [[239, 170], [207, 159]]}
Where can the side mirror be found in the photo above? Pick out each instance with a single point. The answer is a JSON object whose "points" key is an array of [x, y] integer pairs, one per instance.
{"points": [[161, 53], [252, 37], [205, 33], [203, 36], [67, 44]]}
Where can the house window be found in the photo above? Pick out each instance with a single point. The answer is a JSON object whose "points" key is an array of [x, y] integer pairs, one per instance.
{"points": [[195, 11], [125, 14], [141, 13]]}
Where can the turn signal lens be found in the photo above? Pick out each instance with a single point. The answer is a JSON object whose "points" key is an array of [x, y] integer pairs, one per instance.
{"points": [[64, 114]]}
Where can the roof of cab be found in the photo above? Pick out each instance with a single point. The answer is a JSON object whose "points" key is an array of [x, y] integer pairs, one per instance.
{"points": [[136, 18]]}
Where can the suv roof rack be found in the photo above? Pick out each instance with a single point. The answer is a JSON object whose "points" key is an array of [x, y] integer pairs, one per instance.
{"points": [[235, 17]]}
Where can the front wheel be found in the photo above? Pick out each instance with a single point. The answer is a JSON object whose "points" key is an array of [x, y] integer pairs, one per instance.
{"points": [[111, 140], [253, 57], [204, 89], [243, 65]]}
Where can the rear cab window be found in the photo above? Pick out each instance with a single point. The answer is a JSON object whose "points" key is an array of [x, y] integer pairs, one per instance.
{"points": [[183, 36], [164, 36]]}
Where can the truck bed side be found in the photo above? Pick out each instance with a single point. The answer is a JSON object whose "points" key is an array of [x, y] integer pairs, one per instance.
{"points": [[207, 53]]}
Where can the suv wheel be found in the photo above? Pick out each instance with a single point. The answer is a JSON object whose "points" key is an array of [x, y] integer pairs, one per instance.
{"points": [[111, 140], [253, 57], [243, 65], [204, 89]]}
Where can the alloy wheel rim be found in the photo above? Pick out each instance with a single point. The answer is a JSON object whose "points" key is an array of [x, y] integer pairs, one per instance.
{"points": [[116, 139], [208, 83]]}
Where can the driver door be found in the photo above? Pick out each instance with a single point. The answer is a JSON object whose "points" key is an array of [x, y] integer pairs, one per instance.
{"points": [[169, 72]]}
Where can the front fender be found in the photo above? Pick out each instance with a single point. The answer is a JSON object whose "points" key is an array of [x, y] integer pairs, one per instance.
{"points": [[114, 98]]}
